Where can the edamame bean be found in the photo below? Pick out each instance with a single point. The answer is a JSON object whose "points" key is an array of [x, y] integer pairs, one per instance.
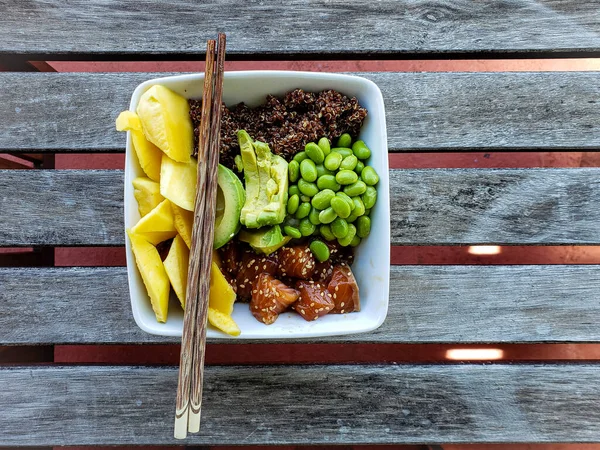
{"points": [[321, 170], [306, 227], [308, 170], [304, 198], [359, 206], [369, 176], [342, 151], [314, 152], [360, 149], [323, 199], [327, 215], [300, 156], [351, 218], [325, 231], [313, 216], [346, 177], [344, 140], [363, 226], [293, 232], [307, 188], [357, 188], [359, 167], [328, 182], [341, 208], [320, 250], [333, 161], [339, 228], [293, 170], [346, 240], [325, 145], [292, 204], [293, 189], [349, 163], [355, 242], [369, 197], [346, 199], [367, 212], [303, 210]]}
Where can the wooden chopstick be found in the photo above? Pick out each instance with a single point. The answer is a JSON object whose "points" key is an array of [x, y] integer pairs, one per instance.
{"points": [[208, 237], [198, 247]]}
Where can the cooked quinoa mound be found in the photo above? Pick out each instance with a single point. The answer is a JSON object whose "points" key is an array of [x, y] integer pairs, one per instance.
{"points": [[286, 124]]}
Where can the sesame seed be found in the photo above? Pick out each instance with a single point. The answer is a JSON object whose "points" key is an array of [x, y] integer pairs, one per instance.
{"points": [[242, 286], [342, 311], [334, 295], [265, 267], [312, 304], [337, 288], [342, 304], [255, 267], [302, 311]]}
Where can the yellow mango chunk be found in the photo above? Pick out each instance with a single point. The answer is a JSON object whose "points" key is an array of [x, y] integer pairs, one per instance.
{"points": [[222, 295], [147, 194], [223, 322], [184, 222], [178, 182], [153, 274], [149, 155], [176, 265], [166, 122], [157, 225]]}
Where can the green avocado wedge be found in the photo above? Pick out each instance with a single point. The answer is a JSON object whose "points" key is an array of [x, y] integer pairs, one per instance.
{"points": [[265, 240], [266, 177], [230, 200]]}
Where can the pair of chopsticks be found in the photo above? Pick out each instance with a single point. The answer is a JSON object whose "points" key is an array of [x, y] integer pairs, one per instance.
{"points": [[193, 341]]}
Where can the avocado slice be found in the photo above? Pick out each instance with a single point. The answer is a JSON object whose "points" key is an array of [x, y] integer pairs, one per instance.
{"points": [[266, 177], [230, 200], [265, 240]]}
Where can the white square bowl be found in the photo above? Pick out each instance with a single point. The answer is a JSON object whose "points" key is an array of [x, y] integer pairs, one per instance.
{"points": [[372, 257]]}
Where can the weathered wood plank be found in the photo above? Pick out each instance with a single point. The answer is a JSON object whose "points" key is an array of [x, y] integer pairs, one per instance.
{"points": [[495, 206], [100, 28], [425, 111], [436, 207], [305, 404], [428, 304], [48, 207]]}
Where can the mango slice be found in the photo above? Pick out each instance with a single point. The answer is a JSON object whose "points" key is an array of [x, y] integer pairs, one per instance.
{"points": [[157, 225], [223, 322], [184, 222], [149, 155], [178, 182], [166, 122], [153, 274], [176, 265], [222, 295], [147, 194]]}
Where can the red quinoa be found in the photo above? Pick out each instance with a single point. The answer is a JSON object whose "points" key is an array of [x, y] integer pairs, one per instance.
{"points": [[286, 124]]}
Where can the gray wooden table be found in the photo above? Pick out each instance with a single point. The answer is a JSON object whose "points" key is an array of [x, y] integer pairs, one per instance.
{"points": [[49, 113]]}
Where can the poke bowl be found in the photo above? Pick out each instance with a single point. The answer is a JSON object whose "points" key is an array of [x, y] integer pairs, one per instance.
{"points": [[370, 254]]}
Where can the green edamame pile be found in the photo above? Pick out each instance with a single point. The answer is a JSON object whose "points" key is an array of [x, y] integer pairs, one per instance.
{"points": [[331, 193]]}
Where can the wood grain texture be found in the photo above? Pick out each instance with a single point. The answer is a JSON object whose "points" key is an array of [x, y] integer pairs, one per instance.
{"points": [[68, 207], [425, 111], [428, 207], [505, 206], [297, 28], [305, 404], [428, 304]]}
